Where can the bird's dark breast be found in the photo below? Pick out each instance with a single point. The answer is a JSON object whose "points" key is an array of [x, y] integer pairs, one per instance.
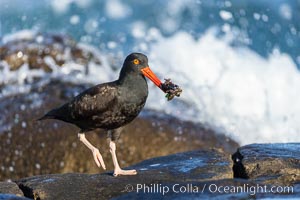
{"points": [[127, 108]]}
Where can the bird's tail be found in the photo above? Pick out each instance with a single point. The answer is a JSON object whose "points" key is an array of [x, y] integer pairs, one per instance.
{"points": [[46, 117], [61, 113], [52, 114]]}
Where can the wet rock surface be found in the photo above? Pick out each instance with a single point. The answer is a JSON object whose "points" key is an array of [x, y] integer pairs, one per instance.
{"points": [[11, 197], [277, 163], [10, 188], [179, 168], [196, 174], [195, 165]]}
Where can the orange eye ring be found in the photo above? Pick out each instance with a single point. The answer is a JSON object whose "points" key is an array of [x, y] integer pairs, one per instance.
{"points": [[136, 61]]}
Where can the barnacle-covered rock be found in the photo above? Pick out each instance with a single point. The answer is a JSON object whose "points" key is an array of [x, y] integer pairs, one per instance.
{"points": [[43, 51]]}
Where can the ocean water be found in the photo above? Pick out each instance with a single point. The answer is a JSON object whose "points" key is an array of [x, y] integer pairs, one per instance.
{"points": [[236, 60]]}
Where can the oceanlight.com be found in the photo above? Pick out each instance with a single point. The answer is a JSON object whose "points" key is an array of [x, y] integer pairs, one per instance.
{"points": [[207, 188]]}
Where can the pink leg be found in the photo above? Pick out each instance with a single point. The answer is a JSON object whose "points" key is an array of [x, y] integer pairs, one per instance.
{"points": [[96, 154], [118, 171]]}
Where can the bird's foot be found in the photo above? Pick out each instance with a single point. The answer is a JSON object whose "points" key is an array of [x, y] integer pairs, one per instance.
{"points": [[119, 172], [98, 158]]}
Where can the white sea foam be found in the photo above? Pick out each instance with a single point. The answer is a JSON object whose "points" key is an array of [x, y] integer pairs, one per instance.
{"points": [[115, 9], [62, 6], [225, 15], [285, 11], [74, 19], [25, 34], [251, 98]]}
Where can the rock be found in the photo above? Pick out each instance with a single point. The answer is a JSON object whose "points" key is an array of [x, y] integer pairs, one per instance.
{"points": [[195, 165], [10, 188], [269, 163], [178, 168], [11, 197], [35, 50], [11, 191], [203, 174], [33, 147]]}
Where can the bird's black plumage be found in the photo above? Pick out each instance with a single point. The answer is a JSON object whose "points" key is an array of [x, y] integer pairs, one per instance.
{"points": [[108, 105]]}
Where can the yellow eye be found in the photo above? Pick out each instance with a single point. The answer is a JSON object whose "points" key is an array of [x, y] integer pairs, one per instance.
{"points": [[136, 61]]}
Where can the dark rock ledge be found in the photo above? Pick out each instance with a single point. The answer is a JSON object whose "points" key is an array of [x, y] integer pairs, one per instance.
{"points": [[11, 191], [269, 163], [195, 173]]}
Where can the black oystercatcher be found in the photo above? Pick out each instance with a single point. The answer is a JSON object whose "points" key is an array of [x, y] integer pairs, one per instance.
{"points": [[110, 106]]}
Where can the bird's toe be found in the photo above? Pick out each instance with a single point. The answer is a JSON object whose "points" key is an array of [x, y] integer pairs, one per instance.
{"points": [[124, 172], [98, 158]]}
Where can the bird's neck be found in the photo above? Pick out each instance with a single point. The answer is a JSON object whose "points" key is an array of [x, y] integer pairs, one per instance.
{"points": [[130, 76], [132, 79], [134, 85]]}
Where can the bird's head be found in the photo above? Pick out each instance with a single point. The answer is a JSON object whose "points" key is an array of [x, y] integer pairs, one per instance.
{"points": [[137, 63]]}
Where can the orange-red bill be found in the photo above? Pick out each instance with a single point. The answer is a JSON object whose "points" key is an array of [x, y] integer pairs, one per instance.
{"points": [[149, 74]]}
